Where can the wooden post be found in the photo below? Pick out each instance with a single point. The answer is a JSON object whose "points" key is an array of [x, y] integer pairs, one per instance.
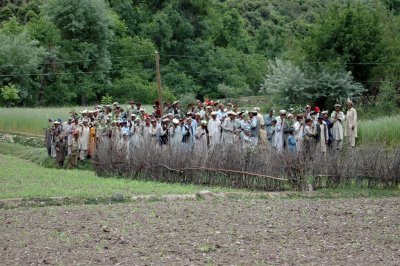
{"points": [[159, 82]]}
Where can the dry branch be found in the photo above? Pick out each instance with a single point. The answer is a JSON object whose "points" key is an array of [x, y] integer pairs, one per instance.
{"points": [[220, 170], [262, 169]]}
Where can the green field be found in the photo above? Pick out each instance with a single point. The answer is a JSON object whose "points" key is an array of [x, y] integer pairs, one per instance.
{"points": [[382, 130], [31, 121], [22, 179]]}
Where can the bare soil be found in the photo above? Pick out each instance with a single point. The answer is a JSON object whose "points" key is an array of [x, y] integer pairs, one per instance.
{"points": [[216, 232]]}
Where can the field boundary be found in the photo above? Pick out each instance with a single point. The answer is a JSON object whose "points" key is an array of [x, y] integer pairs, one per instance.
{"points": [[22, 134], [12, 203], [204, 195]]}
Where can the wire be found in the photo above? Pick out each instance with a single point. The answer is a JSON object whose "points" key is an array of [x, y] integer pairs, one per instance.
{"points": [[358, 63], [77, 61], [59, 73]]}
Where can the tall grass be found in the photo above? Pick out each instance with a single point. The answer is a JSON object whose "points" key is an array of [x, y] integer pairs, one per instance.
{"points": [[33, 120], [380, 131]]}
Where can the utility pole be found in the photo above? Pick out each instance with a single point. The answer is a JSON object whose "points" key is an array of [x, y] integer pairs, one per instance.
{"points": [[159, 82]]}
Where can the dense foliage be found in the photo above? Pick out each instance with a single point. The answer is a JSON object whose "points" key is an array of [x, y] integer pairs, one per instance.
{"points": [[68, 52]]}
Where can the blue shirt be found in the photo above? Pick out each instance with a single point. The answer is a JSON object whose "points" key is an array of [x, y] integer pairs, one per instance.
{"points": [[292, 143]]}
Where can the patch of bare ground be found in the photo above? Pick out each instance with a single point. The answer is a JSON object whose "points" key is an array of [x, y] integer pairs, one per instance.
{"points": [[220, 231]]}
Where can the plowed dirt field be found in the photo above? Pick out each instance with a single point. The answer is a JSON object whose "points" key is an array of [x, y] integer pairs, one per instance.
{"points": [[216, 232]]}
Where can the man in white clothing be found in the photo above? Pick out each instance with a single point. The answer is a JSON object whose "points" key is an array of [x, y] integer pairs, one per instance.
{"points": [[214, 130], [322, 136], [84, 131], [298, 132], [351, 124], [279, 130], [228, 129], [338, 120]]}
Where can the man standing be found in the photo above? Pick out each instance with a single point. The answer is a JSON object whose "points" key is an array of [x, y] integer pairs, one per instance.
{"points": [[298, 128], [221, 114], [255, 127], [175, 135], [268, 122], [176, 109], [73, 158], [84, 132], [60, 150], [188, 134], [214, 129], [279, 130], [56, 131], [351, 124], [200, 142], [322, 136], [162, 132], [338, 120], [262, 134], [48, 136], [329, 125], [228, 128]]}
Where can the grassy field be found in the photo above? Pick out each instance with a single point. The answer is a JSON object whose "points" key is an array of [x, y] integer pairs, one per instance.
{"points": [[22, 179], [382, 130], [32, 120]]}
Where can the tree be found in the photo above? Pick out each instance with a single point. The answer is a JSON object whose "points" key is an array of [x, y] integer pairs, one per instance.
{"points": [[290, 84], [48, 35], [329, 88], [231, 92], [9, 94], [287, 82], [20, 57], [85, 30], [347, 37]]}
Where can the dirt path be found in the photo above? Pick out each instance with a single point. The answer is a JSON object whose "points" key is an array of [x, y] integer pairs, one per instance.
{"points": [[220, 232]]}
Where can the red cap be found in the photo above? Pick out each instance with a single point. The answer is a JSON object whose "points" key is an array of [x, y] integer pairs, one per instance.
{"points": [[316, 109]]}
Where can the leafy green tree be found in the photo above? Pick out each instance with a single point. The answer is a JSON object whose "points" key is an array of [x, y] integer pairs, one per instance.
{"points": [[20, 58], [290, 85], [327, 88], [48, 35], [132, 86], [389, 97], [392, 5], [85, 30], [287, 82], [9, 94], [231, 92], [23, 11], [347, 36], [106, 99]]}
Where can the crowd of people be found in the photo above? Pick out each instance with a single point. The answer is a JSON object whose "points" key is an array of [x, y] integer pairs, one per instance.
{"points": [[203, 126]]}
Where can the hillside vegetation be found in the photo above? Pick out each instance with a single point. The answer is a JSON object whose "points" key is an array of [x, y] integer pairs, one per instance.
{"points": [[66, 52]]}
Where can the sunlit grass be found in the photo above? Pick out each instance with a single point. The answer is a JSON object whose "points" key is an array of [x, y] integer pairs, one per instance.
{"points": [[380, 131], [23, 179], [33, 120]]}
